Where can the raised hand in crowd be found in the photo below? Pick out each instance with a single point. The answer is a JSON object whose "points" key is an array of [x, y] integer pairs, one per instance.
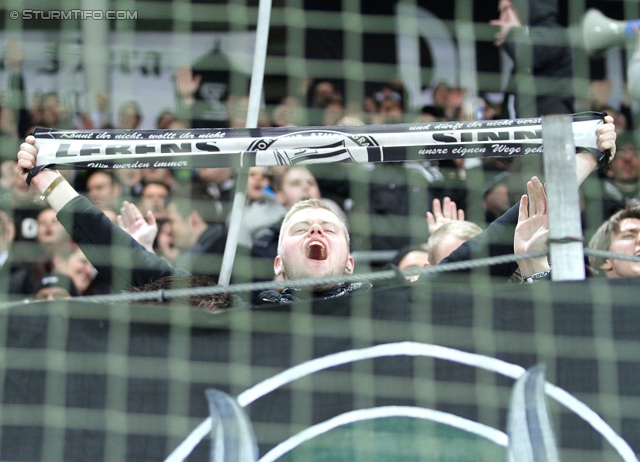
{"points": [[142, 229], [187, 84], [508, 19], [443, 214], [532, 230]]}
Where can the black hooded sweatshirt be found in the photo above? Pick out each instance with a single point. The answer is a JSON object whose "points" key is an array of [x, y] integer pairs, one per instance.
{"points": [[542, 79]]}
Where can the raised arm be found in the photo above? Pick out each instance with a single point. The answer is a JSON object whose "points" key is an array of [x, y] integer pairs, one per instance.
{"points": [[49, 183], [119, 259], [532, 230], [443, 213], [498, 237]]}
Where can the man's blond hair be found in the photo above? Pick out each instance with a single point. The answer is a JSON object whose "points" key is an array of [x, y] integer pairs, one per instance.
{"points": [[463, 230], [310, 204]]}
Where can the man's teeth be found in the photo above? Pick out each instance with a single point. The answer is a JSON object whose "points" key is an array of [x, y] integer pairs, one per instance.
{"points": [[316, 251]]}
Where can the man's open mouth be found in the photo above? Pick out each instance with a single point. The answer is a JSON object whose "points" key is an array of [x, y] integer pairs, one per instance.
{"points": [[316, 251]]}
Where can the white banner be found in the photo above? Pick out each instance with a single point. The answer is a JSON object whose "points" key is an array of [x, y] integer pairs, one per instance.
{"points": [[292, 145]]}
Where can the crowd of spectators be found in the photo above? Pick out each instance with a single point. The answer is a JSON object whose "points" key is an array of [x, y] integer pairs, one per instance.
{"points": [[389, 207]]}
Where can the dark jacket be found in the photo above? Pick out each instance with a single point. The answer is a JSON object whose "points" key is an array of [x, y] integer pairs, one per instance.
{"points": [[496, 240], [120, 260], [540, 49]]}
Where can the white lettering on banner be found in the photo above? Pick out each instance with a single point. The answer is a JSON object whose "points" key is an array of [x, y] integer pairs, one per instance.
{"points": [[394, 143], [433, 151], [503, 148]]}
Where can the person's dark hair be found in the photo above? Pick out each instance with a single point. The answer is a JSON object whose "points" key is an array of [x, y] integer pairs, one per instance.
{"points": [[404, 251], [435, 111], [160, 183], [213, 303], [108, 172], [601, 240], [278, 180], [204, 207]]}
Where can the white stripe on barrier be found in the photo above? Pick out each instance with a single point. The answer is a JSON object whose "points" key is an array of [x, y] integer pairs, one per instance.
{"points": [[412, 349]]}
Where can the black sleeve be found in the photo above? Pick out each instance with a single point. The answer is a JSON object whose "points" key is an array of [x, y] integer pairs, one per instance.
{"points": [[496, 240], [120, 260]]}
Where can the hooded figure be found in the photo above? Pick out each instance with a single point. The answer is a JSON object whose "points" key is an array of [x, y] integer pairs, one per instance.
{"points": [[540, 48], [541, 83]]}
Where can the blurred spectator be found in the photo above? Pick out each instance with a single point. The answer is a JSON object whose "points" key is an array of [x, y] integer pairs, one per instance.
{"points": [[103, 190], [53, 286], [320, 95], [130, 181], [261, 210], [495, 195], [392, 91], [193, 236], [158, 175], [215, 186], [8, 127], [129, 116], [411, 257], [203, 90], [623, 180], [186, 87], [154, 198], [540, 48], [16, 121], [389, 195], [102, 116], [237, 108], [370, 109], [35, 111], [50, 237], [542, 79], [70, 261], [50, 231], [430, 114], [287, 114], [165, 119], [7, 234], [295, 184], [165, 244], [454, 109], [440, 96], [54, 114], [391, 111], [333, 112], [19, 199]]}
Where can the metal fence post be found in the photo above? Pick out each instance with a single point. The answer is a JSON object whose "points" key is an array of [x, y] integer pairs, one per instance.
{"points": [[567, 258]]}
